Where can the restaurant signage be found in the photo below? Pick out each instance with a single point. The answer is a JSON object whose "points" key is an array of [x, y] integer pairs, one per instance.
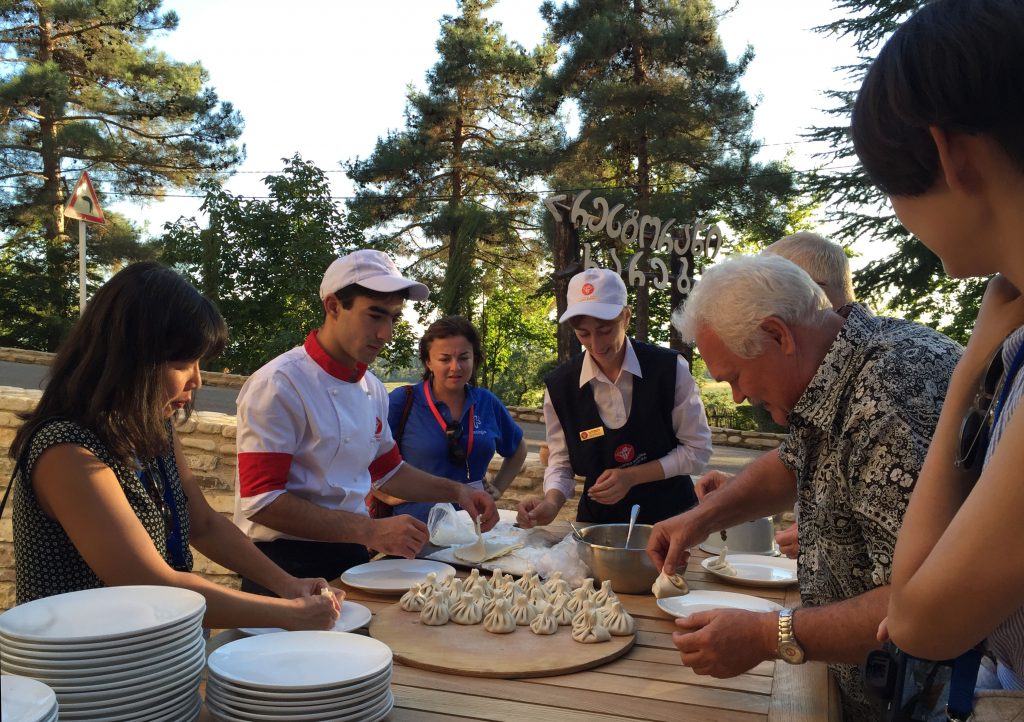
{"points": [[649, 234]]}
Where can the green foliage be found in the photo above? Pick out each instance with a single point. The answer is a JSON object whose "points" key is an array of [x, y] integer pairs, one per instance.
{"points": [[81, 89], [910, 280], [262, 261], [518, 343], [452, 189], [665, 128]]}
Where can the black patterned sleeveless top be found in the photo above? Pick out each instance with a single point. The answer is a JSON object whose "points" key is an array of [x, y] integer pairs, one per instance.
{"points": [[45, 560]]}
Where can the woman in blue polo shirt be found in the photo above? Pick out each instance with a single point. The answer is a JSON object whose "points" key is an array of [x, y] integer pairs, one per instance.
{"points": [[448, 426]]}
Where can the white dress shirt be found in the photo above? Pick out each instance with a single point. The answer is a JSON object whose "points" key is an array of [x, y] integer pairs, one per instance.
{"points": [[614, 400]]}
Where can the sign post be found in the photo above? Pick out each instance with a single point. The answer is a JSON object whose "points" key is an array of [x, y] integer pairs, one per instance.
{"points": [[83, 206]]}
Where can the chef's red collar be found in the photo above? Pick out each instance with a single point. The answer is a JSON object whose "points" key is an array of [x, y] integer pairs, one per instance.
{"points": [[328, 364]]}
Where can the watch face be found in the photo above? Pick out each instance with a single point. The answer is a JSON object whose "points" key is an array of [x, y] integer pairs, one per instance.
{"points": [[791, 652]]}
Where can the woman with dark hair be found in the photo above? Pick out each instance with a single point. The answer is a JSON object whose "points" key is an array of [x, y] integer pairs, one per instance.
{"points": [[102, 493], [446, 424], [939, 127]]}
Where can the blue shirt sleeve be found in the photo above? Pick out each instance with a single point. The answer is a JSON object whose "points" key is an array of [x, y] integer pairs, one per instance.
{"points": [[509, 433]]}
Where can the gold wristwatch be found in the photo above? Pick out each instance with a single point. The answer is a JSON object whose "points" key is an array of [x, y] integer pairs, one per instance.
{"points": [[790, 650]]}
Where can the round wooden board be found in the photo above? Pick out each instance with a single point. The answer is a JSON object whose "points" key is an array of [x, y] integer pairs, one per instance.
{"points": [[473, 651]]}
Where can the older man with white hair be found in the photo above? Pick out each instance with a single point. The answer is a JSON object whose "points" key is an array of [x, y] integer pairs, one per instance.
{"points": [[861, 396]]}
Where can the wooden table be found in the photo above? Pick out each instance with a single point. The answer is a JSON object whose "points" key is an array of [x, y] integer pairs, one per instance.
{"points": [[648, 683]]}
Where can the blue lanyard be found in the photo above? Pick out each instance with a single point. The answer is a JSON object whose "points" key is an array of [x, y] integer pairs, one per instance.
{"points": [[1011, 374]]}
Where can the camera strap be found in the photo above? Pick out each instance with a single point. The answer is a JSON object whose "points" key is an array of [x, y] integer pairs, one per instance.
{"points": [[962, 680]]}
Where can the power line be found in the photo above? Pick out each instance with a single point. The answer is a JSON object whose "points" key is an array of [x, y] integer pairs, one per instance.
{"points": [[677, 188]]}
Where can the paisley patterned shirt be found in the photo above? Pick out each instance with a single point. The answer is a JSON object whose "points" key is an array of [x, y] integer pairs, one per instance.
{"points": [[46, 562], [857, 439]]}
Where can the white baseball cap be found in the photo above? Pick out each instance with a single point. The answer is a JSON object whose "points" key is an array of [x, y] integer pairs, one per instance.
{"points": [[370, 269], [597, 292]]}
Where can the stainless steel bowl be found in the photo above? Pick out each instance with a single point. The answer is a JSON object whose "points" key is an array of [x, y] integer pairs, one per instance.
{"points": [[630, 571]]}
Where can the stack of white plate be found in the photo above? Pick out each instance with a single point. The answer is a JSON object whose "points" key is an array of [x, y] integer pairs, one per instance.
{"points": [[300, 676], [114, 653], [26, 700]]}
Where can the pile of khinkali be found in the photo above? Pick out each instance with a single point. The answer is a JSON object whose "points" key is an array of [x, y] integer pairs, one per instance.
{"points": [[502, 603]]}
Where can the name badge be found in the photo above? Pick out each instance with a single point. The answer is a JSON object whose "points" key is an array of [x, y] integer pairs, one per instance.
{"points": [[592, 433]]}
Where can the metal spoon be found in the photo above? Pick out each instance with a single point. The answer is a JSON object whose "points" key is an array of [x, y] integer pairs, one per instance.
{"points": [[575, 531], [632, 522]]}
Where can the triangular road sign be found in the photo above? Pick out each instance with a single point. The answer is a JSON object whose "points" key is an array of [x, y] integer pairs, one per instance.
{"points": [[83, 204]]}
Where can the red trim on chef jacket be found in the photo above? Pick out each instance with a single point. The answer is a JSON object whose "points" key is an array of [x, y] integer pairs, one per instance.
{"points": [[385, 463], [261, 472], [328, 364]]}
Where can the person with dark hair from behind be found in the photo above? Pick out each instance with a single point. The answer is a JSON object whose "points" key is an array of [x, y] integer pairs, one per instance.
{"points": [[313, 437], [939, 127], [103, 495], [827, 265], [449, 426]]}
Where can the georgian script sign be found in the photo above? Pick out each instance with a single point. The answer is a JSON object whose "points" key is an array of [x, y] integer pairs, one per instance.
{"points": [[648, 233]]}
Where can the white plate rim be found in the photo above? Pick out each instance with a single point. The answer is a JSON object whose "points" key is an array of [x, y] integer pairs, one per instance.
{"points": [[94, 652], [13, 621], [233, 695], [219, 661], [159, 660], [288, 694], [698, 596], [42, 700], [359, 616], [400, 586], [777, 563], [372, 713]]}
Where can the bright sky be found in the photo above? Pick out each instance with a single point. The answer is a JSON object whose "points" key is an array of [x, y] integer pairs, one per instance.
{"points": [[325, 79]]}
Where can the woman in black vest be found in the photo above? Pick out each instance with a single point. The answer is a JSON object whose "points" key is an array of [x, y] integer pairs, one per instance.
{"points": [[624, 415]]}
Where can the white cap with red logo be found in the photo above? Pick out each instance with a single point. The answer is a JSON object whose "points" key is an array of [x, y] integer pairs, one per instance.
{"points": [[597, 292]]}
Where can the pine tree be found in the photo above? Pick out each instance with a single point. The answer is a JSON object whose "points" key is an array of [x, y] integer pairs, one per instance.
{"points": [[81, 90], [453, 187], [910, 279], [664, 125]]}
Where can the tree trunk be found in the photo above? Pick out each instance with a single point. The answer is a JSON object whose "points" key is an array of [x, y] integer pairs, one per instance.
{"points": [[565, 253], [59, 270], [643, 183]]}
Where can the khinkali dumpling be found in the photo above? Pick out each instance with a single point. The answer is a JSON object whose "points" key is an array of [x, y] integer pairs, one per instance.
{"points": [[435, 610], [669, 585], [539, 598], [522, 611], [579, 596], [551, 583], [602, 595], [561, 611], [544, 623], [587, 610], [466, 611], [497, 578], [590, 632], [412, 600], [559, 587], [475, 581], [617, 620], [498, 620], [588, 584], [455, 590]]}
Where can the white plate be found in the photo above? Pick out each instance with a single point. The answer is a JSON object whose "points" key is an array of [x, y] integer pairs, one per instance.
{"points": [[369, 715], [26, 700], [713, 545], [701, 600], [300, 660], [394, 576], [100, 652], [325, 711], [82, 672], [107, 663], [291, 696], [753, 570], [106, 613], [353, 616], [239, 698]]}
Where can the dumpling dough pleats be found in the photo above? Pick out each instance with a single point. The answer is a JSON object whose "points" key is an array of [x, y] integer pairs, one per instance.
{"points": [[667, 585], [482, 551]]}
